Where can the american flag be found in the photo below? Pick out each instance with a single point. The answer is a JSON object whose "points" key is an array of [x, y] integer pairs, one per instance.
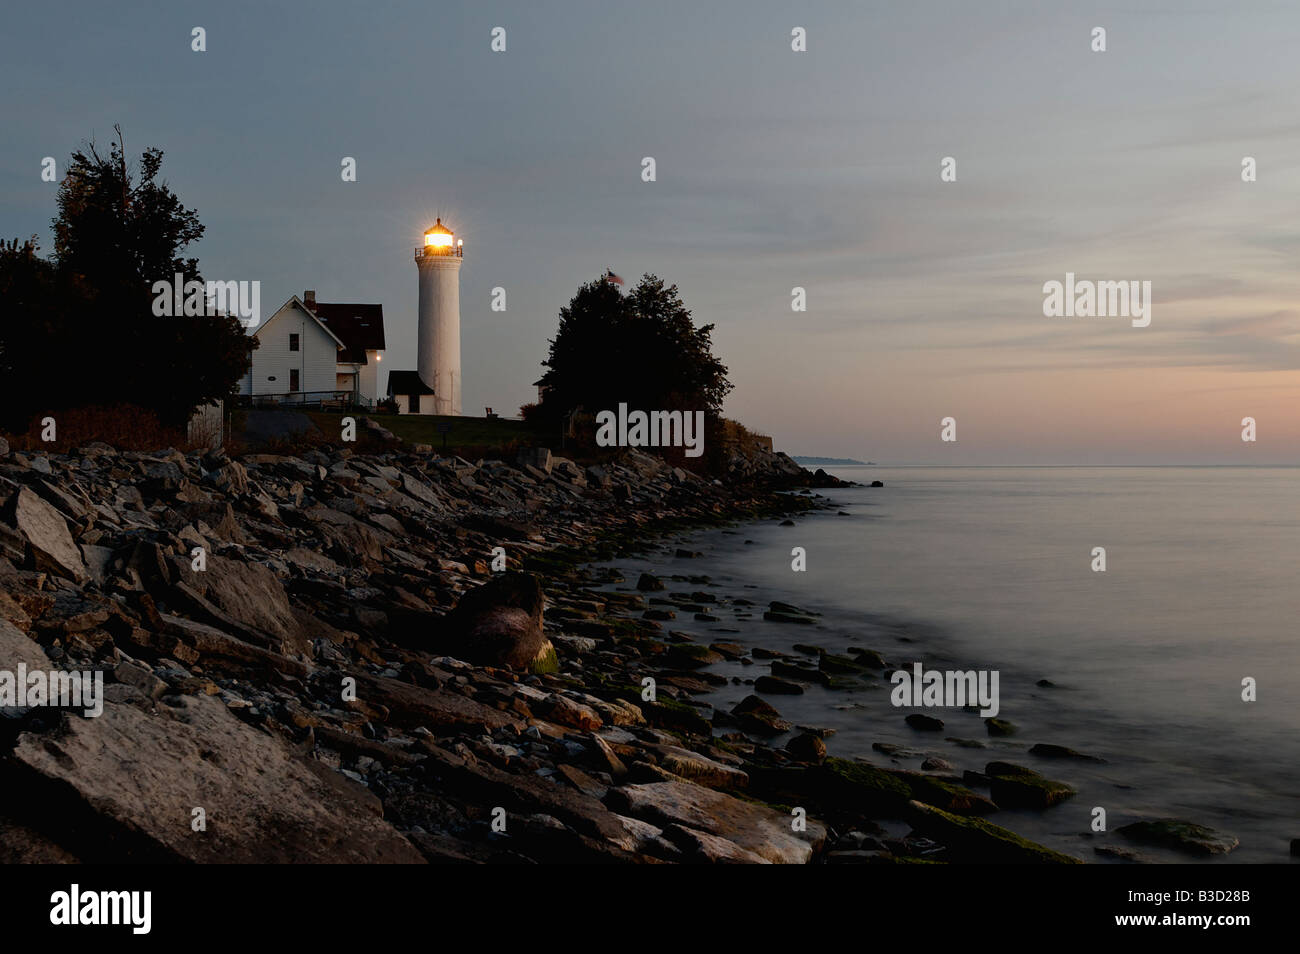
{"points": [[611, 277]]}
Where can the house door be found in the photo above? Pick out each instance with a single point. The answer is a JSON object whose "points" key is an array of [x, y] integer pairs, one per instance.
{"points": [[413, 405], [293, 379]]}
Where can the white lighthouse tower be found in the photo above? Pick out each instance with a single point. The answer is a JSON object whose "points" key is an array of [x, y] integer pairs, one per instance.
{"points": [[438, 348]]}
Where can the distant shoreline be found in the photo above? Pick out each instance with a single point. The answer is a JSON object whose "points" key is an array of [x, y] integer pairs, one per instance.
{"points": [[831, 461]]}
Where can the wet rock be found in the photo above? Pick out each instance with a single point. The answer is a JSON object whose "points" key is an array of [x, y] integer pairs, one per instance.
{"points": [[800, 671], [772, 616], [759, 717], [1048, 751], [843, 665], [774, 685], [951, 798], [690, 656], [648, 583], [807, 747], [999, 727], [754, 828], [1179, 835], [1120, 853], [978, 841], [924, 723], [868, 657], [1014, 786]]}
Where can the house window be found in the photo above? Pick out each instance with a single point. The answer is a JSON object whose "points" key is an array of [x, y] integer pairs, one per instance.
{"points": [[293, 342], [293, 377]]}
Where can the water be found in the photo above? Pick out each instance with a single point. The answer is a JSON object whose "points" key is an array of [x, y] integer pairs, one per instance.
{"points": [[991, 568]]}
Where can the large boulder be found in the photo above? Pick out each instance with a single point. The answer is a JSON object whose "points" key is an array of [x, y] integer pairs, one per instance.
{"points": [[250, 594], [128, 783], [500, 624], [46, 532]]}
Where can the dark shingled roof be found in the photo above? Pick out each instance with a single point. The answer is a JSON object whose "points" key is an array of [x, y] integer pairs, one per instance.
{"points": [[359, 327], [406, 382]]}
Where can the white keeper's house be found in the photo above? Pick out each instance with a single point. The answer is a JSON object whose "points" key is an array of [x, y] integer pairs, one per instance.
{"points": [[314, 352]]}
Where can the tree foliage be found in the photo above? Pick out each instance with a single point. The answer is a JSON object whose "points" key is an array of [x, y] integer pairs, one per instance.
{"points": [[78, 329], [641, 348]]}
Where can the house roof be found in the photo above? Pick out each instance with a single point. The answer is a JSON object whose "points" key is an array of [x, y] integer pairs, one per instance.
{"points": [[296, 301], [359, 327], [406, 382]]}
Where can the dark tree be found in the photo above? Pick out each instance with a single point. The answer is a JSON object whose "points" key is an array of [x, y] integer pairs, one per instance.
{"points": [[641, 348], [79, 330]]}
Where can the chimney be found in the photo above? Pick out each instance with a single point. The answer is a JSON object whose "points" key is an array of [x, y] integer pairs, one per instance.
{"points": [[309, 298]]}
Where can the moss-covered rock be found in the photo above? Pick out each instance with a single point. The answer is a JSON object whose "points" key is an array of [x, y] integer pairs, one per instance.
{"points": [[999, 727], [1014, 786], [842, 665], [546, 662], [978, 841], [672, 715], [861, 787], [950, 797]]}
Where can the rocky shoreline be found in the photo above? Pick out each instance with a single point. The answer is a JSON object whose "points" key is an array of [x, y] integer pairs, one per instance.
{"points": [[392, 656]]}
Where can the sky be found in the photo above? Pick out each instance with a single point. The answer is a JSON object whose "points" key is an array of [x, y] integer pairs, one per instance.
{"points": [[775, 169]]}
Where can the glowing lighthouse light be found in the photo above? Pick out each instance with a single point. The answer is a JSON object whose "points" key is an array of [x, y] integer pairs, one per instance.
{"points": [[439, 236]]}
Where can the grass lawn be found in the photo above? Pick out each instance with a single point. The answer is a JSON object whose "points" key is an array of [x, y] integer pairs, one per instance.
{"points": [[476, 432]]}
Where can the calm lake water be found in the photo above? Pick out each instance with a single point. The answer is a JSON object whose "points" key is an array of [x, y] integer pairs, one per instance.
{"points": [[991, 568]]}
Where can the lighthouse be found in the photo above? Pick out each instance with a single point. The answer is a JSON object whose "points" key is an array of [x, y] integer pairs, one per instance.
{"points": [[438, 332]]}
